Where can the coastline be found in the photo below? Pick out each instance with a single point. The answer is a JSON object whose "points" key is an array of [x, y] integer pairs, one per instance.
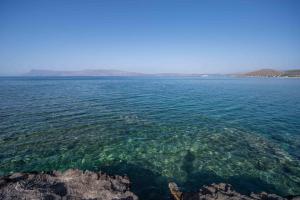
{"points": [[77, 184], [280, 77]]}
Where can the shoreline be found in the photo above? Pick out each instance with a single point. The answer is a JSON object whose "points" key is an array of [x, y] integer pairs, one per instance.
{"points": [[77, 184], [246, 76]]}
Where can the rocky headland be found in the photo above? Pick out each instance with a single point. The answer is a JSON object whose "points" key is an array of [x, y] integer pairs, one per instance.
{"points": [[71, 184], [273, 73], [76, 184]]}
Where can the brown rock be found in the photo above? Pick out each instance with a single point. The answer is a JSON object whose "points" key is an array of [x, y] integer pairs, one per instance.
{"points": [[71, 184]]}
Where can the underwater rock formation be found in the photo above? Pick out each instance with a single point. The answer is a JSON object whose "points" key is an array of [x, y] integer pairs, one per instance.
{"points": [[220, 191], [71, 184]]}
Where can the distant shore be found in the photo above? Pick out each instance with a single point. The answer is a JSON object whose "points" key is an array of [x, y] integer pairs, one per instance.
{"points": [[263, 73], [273, 73], [281, 77]]}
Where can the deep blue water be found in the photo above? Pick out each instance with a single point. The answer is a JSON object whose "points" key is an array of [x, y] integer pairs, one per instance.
{"points": [[192, 130]]}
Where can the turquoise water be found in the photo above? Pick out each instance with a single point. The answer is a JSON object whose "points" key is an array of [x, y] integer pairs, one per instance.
{"points": [[192, 130]]}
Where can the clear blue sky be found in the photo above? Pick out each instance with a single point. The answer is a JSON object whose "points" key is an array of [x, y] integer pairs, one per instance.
{"points": [[149, 36]]}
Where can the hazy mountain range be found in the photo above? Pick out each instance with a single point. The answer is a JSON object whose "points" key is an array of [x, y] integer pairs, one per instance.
{"points": [[106, 72], [100, 72]]}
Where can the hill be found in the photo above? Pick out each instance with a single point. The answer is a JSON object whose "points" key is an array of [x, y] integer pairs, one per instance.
{"points": [[292, 73], [265, 73], [101, 72], [273, 73]]}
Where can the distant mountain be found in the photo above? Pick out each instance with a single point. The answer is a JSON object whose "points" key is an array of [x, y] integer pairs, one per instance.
{"points": [[265, 73], [292, 73], [273, 73], [107, 72], [101, 72]]}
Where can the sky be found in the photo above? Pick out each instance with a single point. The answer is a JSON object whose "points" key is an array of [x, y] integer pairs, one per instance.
{"points": [[150, 36]]}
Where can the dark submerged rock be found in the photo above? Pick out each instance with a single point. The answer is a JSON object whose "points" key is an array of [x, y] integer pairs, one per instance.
{"points": [[71, 184], [220, 191]]}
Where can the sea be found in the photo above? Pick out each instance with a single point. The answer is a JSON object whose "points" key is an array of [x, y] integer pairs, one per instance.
{"points": [[188, 130]]}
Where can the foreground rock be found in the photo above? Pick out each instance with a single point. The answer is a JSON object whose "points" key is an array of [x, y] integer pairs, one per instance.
{"points": [[220, 191], [77, 185], [72, 184]]}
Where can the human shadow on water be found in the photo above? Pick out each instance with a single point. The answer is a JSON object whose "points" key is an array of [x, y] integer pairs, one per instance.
{"points": [[149, 185], [242, 184], [146, 184]]}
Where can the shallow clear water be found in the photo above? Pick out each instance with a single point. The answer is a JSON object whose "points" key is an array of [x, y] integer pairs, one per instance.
{"points": [[245, 131]]}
